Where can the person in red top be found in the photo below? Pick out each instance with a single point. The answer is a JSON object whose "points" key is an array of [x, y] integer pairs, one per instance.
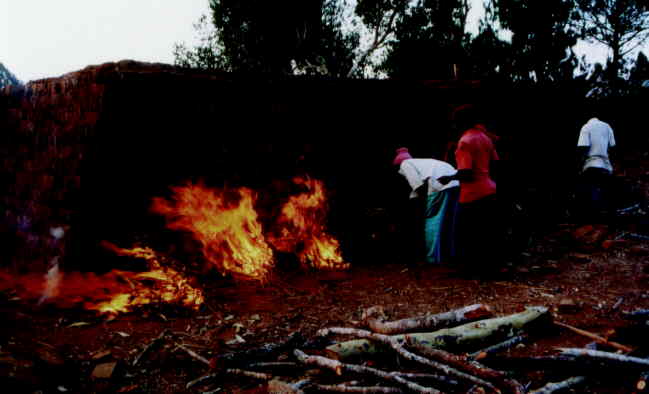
{"points": [[478, 243]]}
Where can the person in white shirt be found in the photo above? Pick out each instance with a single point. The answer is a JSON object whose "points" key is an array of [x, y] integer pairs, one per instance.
{"points": [[596, 138], [441, 202]]}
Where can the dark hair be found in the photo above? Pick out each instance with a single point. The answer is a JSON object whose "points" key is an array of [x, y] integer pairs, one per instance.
{"points": [[465, 116]]}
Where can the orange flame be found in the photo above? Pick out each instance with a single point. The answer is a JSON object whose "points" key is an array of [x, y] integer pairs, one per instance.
{"points": [[111, 293], [226, 225], [302, 228], [160, 284]]}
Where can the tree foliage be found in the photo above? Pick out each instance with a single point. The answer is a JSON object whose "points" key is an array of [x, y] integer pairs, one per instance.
{"points": [[7, 78], [622, 25], [542, 36], [429, 39], [276, 38]]}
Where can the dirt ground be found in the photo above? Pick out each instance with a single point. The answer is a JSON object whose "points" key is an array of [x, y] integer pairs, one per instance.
{"points": [[585, 281]]}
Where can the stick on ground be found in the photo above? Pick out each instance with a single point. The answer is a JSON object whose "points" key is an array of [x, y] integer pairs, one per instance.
{"points": [[374, 318], [553, 387], [595, 337], [403, 352], [339, 368], [460, 335]]}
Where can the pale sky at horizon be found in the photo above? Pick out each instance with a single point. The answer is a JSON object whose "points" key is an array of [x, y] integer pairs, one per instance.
{"points": [[46, 38]]}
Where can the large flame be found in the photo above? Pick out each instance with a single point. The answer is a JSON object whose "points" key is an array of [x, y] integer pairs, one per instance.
{"points": [[111, 293], [302, 228], [226, 225]]}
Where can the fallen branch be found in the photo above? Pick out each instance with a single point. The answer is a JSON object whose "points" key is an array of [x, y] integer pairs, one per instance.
{"points": [[153, 344], [471, 367], [193, 354], [266, 351], [600, 355], [480, 354], [553, 387], [403, 352], [595, 337], [249, 374], [341, 388], [201, 380], [461, 335], [374, 318], [438, 379], [638, 314], [275, 367], [338, 368]]}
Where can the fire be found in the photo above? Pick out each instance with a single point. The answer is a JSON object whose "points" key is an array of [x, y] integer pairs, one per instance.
{"points": [[225, 223], [110, 293], [302, 228], [160, 284]]}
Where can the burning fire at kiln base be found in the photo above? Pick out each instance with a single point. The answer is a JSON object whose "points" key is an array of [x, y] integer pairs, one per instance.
{"points": [[233, 242]]}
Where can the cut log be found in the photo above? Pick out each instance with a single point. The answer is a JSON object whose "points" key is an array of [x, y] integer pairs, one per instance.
{"points": [[444, 338], [595, 337], [566, 384], [642, 385], [403, 352], [374, 318], [493, 349], [339, 368]]}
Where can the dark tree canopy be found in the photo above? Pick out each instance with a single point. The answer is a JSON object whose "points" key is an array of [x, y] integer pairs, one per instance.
{"points": [[274, 37], [429, 40], [542, 36], [622, 25]]}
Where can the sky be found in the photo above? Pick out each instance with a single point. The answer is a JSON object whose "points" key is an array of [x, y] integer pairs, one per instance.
{"points": [[48, 38]]}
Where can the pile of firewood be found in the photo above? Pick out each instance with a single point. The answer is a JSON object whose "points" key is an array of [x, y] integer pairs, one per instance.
{"points": [[456, 351]]}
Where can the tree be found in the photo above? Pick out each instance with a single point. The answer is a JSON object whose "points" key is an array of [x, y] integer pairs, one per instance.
{"points": [[622, 25], [7, 78], [379, 17], [542, 35], [490, 57], [639, 75], [279, 38], [429, 40]]}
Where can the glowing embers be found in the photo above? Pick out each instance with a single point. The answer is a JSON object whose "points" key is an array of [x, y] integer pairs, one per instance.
{"points": [[301, 228], [226, 225], [160, 285], [110, 293]]}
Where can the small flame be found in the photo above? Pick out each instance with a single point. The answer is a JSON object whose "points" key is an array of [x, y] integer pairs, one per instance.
{"points": [[111, 293], [226, 225], [160, 284], [302, 228]]}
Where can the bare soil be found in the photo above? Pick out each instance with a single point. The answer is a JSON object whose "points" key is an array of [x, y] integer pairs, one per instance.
{"points": [[585, 284]]}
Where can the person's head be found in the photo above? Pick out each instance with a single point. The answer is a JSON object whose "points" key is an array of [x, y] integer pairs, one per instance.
{"points": [[402, 154], [465, 117]]}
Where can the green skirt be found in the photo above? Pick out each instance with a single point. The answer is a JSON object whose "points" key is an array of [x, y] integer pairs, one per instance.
{"points": [[439, 231]]}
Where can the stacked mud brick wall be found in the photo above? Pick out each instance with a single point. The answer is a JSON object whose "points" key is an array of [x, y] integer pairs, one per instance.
{"points": [[89, 149]]}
